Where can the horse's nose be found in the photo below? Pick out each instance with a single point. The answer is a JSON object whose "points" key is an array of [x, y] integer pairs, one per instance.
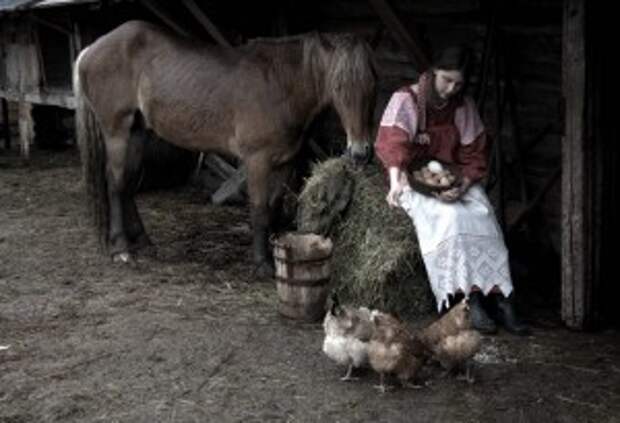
{"points": [[359, 153]]}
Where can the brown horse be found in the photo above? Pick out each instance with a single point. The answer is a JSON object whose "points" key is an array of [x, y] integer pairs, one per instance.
{"points": [[253, 102]]}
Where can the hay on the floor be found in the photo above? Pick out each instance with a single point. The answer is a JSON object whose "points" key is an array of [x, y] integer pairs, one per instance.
{"points": [[376, 259]]}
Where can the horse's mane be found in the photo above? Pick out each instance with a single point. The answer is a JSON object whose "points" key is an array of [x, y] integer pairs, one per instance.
{"points": [[337, 60]]}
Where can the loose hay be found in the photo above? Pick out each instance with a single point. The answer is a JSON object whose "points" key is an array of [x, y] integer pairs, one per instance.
{"points": [[376, 259]]}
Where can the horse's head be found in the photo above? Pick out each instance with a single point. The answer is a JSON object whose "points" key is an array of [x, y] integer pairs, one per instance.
{"points": [[350, 85]]}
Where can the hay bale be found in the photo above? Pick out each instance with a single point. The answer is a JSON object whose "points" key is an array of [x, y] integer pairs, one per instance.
{"points": [[376, 259], [325, 196]]}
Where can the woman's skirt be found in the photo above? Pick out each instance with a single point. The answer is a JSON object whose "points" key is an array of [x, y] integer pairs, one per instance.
{"points": [[462, 244]]}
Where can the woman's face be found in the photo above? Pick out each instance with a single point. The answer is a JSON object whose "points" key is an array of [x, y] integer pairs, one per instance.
{"points": [[448, 82]]}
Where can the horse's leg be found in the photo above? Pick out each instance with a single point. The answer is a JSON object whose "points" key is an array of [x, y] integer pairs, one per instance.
{"points": [[259, 171], [117, 151], [136, 233], [133, 223], [280, 180]]}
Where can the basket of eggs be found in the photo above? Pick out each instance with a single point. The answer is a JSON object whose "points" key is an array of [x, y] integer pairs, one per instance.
{"points": [[432, 177]]}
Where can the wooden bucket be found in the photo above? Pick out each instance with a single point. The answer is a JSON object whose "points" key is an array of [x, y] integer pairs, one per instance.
{"points": [[302, 264]]}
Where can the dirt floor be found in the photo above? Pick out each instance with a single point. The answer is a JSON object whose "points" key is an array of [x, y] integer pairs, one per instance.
{"points": [[190, 336]]}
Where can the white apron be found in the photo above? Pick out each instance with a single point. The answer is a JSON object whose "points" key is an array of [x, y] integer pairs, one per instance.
{"points": [[462, 244]]}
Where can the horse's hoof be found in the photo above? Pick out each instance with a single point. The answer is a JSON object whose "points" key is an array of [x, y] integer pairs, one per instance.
{"points": [[264, 270], [123, 258]]}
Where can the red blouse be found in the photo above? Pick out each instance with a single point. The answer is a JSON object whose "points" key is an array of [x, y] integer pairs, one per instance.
{"points": [[456, 134]]}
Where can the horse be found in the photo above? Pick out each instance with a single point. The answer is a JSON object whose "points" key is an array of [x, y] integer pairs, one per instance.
{"points": [[252, 102]]}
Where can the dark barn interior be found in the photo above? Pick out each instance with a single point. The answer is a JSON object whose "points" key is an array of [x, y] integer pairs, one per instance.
{"points": [[539, 82]]}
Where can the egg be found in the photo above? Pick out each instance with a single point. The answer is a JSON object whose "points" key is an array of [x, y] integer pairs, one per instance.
{"points": [[434, 166]]}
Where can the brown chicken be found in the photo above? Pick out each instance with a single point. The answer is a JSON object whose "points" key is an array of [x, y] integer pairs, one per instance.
{"points": [[394, 350], [452, 341]]}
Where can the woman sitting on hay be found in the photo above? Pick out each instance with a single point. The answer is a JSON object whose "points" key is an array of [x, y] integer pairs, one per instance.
{"points": [[461, 243]]}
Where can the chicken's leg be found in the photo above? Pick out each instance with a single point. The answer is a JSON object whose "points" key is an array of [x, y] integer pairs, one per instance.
{"points": [[347, 377], [468, 376], [381, 386], [469, 370]]}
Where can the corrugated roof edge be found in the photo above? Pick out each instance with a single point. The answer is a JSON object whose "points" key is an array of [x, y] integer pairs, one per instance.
{"points": [[56, 3]]}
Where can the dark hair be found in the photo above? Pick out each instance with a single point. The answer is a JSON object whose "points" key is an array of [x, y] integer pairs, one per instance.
{"points": [[459, 57]]}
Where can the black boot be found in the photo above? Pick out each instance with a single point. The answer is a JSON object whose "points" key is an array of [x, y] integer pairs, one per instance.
{"points": [[480, 320], [507, 317]]}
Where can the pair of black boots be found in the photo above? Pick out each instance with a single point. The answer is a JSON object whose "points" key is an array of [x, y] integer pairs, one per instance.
{"points": [[502, 309]]}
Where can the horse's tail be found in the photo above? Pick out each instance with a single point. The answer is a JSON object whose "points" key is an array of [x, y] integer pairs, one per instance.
{"points": [[92, 151]]}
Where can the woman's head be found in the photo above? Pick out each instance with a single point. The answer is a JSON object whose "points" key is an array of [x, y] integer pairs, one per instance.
{"points": [[450, 71]]}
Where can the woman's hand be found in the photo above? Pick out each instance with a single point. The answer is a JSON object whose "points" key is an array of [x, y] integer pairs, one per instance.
{"points": [[398, 183], [453, 194]]}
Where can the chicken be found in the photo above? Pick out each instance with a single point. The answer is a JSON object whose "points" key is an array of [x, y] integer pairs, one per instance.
{"points": [[347, 333], [452, 341], [394, 350]]}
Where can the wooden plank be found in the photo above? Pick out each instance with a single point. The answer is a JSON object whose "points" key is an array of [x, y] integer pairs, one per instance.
{"points": [[206, 23], [400, 32], [575, 296], [60, 98], [232, 189], [219, 166]]}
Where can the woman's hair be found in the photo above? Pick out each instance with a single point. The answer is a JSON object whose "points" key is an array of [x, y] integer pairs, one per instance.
{"points": [[457, 57]]}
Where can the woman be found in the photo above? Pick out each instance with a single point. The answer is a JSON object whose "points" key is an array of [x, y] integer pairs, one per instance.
{"points": [[461, 243]]}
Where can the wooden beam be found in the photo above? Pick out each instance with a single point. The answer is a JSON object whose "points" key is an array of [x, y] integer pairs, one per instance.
{"points": [[52, 25], [525, 211], [401, 34], [206, 23], [62, 98], [164, 16], [317, 150], [576, 272]]}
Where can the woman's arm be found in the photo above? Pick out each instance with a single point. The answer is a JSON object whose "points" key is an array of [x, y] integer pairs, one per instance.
{"points": [[394, 146], [395, 151]]}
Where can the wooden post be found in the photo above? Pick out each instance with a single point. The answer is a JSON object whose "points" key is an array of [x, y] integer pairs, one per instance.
{"points": [[489, 44], [6, 124], [576, 221], [26, 128]]}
